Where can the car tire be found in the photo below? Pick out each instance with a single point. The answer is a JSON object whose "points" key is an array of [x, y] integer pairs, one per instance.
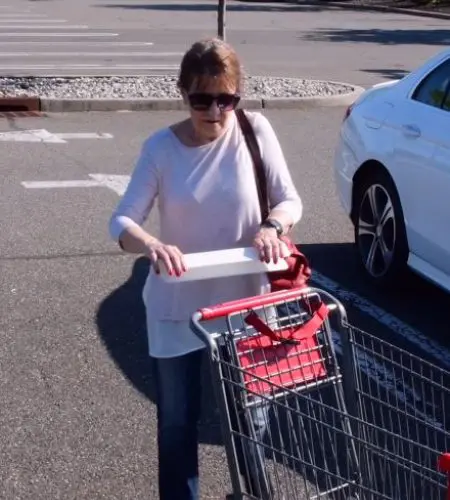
{"points": [[380, 234]]}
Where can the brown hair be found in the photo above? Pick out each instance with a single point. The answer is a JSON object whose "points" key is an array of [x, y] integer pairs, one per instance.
{"points": [[208, 58]]}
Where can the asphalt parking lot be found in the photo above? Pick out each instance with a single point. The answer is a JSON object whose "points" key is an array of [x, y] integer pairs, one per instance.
{"points": [[78, 414]]}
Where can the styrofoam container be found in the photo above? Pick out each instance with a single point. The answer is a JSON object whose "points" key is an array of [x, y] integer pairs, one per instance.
{"points": [[220, 263]]}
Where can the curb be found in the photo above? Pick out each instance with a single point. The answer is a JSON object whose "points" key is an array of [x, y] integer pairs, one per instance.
{"points": [[19, 104], [169, 104], [352, 6]]}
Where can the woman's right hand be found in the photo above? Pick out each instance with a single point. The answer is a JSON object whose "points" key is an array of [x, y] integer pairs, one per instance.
{"points": [[169, 255]]}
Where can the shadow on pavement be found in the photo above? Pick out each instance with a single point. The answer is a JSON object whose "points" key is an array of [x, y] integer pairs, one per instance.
{"points": [[382, 36], [121, 319], [244, 7], [390, 74], [121, 326]]}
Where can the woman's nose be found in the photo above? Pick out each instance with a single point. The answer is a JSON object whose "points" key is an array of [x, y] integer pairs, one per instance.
{"points": [[214, 111]]}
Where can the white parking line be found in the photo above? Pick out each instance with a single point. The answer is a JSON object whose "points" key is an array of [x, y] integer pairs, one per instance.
{"points": [[60, 184], [39, 135], [44, 136], [30, 21], [90, 54], [83, 135], [44, 27], [427, 345], [159, 67], [116, 183], [79, 44], [24, 16], [54, 35]]}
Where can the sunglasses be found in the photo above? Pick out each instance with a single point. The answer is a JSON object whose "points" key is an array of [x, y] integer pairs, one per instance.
{"points": [[202, 102]]}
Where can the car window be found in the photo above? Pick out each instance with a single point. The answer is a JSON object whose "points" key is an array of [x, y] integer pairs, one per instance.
{"points": [[446, 102], [433, 90]]}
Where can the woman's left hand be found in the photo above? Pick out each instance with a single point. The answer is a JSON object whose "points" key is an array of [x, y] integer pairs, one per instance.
{"points": [[268, 244]]}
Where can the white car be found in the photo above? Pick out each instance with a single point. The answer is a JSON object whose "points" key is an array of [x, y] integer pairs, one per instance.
{"points": [[392, 171]]}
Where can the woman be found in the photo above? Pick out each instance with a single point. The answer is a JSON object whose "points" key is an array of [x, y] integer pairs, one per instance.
{"points": [[202, 173]]}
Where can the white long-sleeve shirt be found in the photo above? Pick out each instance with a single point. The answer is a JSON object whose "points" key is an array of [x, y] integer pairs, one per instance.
{"points": [[207, 200]]}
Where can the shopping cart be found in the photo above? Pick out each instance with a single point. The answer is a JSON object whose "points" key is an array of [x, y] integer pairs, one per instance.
{"points": [[313, 407]]}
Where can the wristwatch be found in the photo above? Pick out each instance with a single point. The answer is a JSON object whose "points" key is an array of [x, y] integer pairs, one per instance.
{"points": [[273, 224]]}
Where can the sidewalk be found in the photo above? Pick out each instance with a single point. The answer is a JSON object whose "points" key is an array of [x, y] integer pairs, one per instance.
{"points": [[401, 7]]}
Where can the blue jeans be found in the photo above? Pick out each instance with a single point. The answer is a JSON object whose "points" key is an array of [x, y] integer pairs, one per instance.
{"points": [[178, 407]]}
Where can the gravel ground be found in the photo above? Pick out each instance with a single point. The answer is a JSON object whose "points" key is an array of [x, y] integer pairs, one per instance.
{"points": [[156, 87]]}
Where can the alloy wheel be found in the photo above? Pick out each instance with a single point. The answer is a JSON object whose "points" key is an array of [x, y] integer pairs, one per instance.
{"points": [[376, 230]]}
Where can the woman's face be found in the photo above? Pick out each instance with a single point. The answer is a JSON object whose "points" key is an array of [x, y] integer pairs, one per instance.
{"points": [[211, 106]]}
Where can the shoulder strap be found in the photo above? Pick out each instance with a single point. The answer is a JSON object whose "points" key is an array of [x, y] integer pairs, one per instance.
{"points": [[258, 165]]}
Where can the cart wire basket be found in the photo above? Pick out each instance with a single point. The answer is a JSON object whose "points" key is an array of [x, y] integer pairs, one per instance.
{"points": [[312, 407]]}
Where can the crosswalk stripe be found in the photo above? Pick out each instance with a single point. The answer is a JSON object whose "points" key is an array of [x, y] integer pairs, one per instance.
{"points": [[41, 35], [43, 27], [93, 66], [8, 15], [82, 43], [32, 21], [33, 34], [90, 54]]}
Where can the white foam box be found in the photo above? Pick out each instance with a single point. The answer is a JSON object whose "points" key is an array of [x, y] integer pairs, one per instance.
{"points": [[220, 263]]}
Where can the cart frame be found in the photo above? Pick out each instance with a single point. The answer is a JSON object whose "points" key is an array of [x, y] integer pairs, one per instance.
{"points": [[360, 415]]}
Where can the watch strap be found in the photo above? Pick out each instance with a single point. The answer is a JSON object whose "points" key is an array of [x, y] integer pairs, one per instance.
{"points": [[274, 224]]}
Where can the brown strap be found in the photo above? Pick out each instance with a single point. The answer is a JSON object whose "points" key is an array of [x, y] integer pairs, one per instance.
{"points": [[258, 165]]}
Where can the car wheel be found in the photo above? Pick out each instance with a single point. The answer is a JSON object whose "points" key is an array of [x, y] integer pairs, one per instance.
{"points": [[380, 233]]}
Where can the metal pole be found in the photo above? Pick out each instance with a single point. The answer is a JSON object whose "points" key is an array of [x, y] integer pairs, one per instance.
{"points": [[221, 9]]}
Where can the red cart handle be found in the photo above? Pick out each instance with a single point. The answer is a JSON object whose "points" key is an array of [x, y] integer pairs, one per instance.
{"points": [[444, 466], [226, 308]]}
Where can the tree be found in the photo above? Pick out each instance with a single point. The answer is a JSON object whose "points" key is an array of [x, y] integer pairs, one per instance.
{"points": [[221, 9]]}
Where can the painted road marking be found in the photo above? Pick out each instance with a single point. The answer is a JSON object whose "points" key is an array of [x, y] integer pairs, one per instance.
{"points": [[116, 183], [44, 27], [78, 44], [86, 54], [59, 184], [438, 351], [41, 35], [22, 17], [42, 135], [30, 21], [83, 135], [158, 67]]}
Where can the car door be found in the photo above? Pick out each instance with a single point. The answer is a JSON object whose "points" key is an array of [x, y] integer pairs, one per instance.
{"points": [[441, 185], [422, 167]]}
